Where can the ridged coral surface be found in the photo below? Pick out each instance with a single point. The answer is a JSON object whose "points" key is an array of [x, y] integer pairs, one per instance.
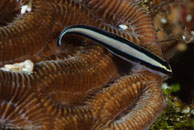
{"points": [[80, 85]]}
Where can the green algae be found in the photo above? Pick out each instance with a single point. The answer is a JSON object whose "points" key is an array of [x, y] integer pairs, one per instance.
{"points": [[177, 115]]}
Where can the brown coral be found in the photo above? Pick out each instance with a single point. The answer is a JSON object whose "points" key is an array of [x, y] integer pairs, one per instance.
{"points": [[79, 85]]}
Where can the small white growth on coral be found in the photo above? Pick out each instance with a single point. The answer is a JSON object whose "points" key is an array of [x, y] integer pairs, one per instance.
{"points": [[122, 26], [163, 20], [184, 37], [25, 67], [189, 18], [25, 8]]}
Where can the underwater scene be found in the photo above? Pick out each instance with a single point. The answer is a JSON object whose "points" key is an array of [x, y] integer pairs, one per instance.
{"points": [[96, 65]]}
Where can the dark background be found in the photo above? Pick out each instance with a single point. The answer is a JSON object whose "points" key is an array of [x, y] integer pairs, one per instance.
{"points": [[183, 74]]}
